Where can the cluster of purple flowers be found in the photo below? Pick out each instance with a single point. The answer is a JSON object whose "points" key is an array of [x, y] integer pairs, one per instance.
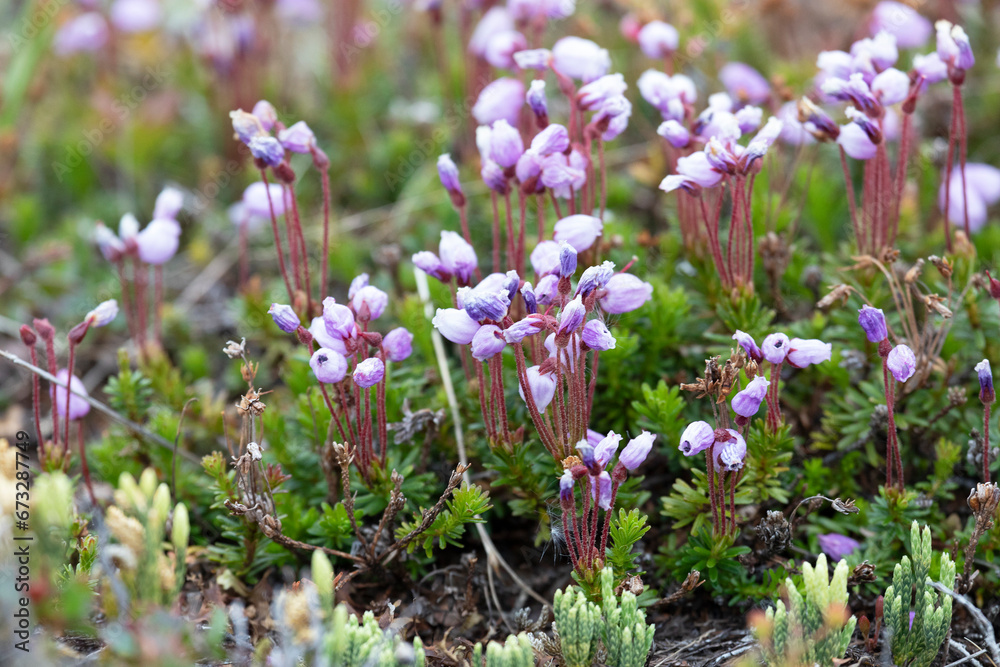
{"points": [[138, 250], [272, 144], [778, 349], [558, 323], [351, 359], [598, 491]]}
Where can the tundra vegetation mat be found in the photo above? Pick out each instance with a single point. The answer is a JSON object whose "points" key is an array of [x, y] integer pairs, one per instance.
{"points": [[369, 333]]}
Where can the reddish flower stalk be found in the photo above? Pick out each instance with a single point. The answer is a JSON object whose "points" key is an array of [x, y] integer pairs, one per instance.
{"points": [[83, 460], [986, 443], [29, 339], [277, 238], [47, 333]]}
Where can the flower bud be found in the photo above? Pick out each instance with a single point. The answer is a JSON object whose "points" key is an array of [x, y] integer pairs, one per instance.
{"points": [[987, 394], [298, 138], [487, 342], [872, 320], [636, 451], [901, 363], [747, 402], [697, 437], [284, 316], [455, 325], [802, 353], [572, 316], [748, 344], [579, 230], [567, 260], [370, 299], [528, 294], [542, 387], [28, 336], [103, 314], [180, 531], [624, 293], [597, 337]]}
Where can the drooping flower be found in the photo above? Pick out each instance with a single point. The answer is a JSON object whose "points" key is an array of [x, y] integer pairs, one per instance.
{"points": [[982, 191], [267, 149], [502, 98], [168, 204], [103, 314], [369, 372], [733, 450], [571, 316], [837, 546], [553, 139], [87, 32], [78, 407], [806, 352], [487, 342], [448, 173], [856, 142], [595, 277], [658, 39], [901, 363], [953, 45], [398, 344], [371, 298], [579, 230], [329, 366], [455, 325], [872, 320], [747, 402], [597, 337], [567, 260], [624, 293], [158, 242], [636, 451], [745, 83], [298, 138], [284, 316], [910, 29], [542, 386], [266, 114], [606, 448], [339, 319], [580, 59], [505, 144], [775, 348], [748, 344], [319, 333], [521, 329], [696, 438], [597, 92], [457, 256]]}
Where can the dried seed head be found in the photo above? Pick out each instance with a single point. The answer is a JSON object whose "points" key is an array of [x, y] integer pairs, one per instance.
{"points": [[914, 273], [983, 500], [837, 293], [845, 506], [942, 264], [863, 573], [751, 369], [935, 303], [235, 350], [957, 396], [775, 532], [571, 462]]}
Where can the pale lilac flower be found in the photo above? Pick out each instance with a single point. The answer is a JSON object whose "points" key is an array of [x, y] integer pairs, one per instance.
{"points": [[521, 329], [338, 319], [502, 98], [580, 59], [775, 348], [158, 242], [546, 289], [987, 394], [572, 315], [267, 149], [298, 138], [747, 402], [872, 320], [483, 305], [616, 111], [128, 227], [901, 363], [357, 282], [78, 407], [429, 263], [536, 99], [369, 372], [930, 67], [566, 356], [494, 22], [597, 337], [86, 32], [372, 298], [398, 344], [982, 191], [135, 15], [854, 89], [457, 256], [910, 29], [540, 10], [748, 344], [595, 277], [528, 294], [545, 258], [953, 46], [745, 83], [103, 314], [636, 451], [580, 231], [606, 448], [794, 132], [856, 142], [749, 118], [284, 316], [319, 333], [255, 200], [692, 170], [874, 54], [891, 86], [542, 387], [675, 133], [487, 342], [595, 93], [448, 173], [600, 490], [329, 366], [455, 325], [564, 175], [553, 139], [837, 546], [502, 46], [266, 114], [537, 59], [246, 125], [624, 293], [299, 12], [835, 64], [668, 94], [168, 204], [567, 260], [733, 450], [110, 245], [658, 39], [505, 144], [696, 438], [494, 177], [806, 352]]}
